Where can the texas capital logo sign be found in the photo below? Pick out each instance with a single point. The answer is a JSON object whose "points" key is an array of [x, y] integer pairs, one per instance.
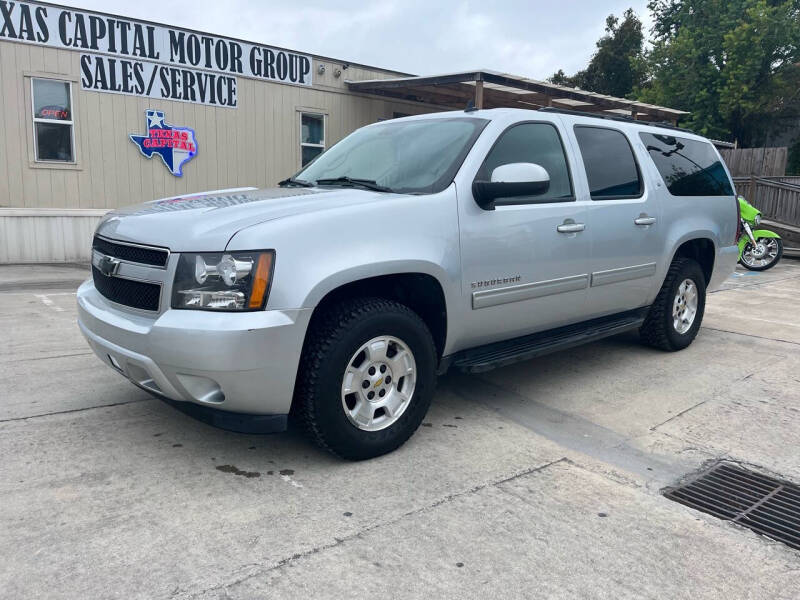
{"points": [[174, 145]]}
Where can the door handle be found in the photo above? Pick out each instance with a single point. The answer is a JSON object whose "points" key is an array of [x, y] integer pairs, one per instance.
{"points": [[571, 227], [644, 220]]}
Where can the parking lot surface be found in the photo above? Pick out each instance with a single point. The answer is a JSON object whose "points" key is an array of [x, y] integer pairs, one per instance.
{"points": [[538, 480]]}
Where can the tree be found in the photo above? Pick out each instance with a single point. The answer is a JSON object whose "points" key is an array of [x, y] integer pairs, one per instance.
{"points": [[617, 67], [732, 63], [561, 78]]}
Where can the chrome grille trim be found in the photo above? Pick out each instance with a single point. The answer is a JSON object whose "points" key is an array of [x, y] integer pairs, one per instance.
{"points": [[146, 281], [155, 249]]}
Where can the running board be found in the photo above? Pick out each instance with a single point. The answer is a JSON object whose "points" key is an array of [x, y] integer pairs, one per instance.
{"points": [[500, 354]]}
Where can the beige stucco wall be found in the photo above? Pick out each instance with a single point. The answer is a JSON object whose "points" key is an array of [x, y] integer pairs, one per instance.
{"points": [[255, 144]]}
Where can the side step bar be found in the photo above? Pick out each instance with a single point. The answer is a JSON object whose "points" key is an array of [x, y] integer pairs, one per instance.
{"points": [[500, 354]]}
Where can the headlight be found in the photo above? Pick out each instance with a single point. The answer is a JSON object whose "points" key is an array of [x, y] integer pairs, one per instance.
{"points": [[757, 220], [226, 281]]}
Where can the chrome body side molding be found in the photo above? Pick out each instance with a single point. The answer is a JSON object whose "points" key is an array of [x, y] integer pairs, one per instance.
{"points": [[526, 291], [623, 274]]}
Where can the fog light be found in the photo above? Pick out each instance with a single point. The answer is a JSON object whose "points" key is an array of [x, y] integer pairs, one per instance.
{"points": [[202, 389]]}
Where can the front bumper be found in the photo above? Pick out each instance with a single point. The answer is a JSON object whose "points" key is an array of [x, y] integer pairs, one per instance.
{"points": [[242, 363]]}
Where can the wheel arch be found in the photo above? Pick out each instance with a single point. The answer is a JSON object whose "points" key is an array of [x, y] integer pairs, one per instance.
{"points": [[701, 249], [421, 291]]}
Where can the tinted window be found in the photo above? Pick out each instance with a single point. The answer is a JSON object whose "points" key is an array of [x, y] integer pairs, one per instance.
{"points": [[610, 166], [537, 143], [688, 167]]}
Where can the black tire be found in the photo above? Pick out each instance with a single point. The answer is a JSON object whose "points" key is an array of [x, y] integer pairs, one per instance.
{"points": [[658, 329], [768, 265], [333, 338]]}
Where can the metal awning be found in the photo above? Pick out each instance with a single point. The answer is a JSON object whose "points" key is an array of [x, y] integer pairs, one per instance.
{"points": [[490, 89]]}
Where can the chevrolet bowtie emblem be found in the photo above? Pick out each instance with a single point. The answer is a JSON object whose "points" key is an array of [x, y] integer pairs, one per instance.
{"points": [[108, 266]]}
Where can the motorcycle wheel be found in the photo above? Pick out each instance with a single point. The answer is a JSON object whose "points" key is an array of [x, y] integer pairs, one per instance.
{"points": [[755, 259]]}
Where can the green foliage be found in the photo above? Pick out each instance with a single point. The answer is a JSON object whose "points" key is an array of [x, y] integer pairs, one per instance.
{"points": [[618, 66], [561, 78], [732, 63]]}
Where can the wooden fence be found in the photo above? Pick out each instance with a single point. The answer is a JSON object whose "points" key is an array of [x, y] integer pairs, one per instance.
{"points": [[762, 162], [777, 199]]}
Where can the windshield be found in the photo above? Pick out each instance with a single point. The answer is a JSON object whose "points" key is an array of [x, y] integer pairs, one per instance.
{"points": [[419, 156]]}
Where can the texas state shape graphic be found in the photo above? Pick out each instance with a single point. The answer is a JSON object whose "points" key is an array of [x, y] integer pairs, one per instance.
{"points": [[175, 145]]}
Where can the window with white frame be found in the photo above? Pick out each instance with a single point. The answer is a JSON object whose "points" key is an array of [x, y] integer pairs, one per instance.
{"points": [[312, 136], [53, 127]]}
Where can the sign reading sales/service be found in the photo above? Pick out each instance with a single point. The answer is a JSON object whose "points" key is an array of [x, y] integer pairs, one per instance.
{"points": [[126, 56]]}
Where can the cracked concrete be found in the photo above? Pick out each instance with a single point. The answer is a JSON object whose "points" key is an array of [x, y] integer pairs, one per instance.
{"points": [[539, 480], [259, 571], [553, 533]]}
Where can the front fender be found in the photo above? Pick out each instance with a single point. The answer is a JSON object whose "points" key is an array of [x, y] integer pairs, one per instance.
{"points": [[377, 269], [319, 251], [758, 233], [765, 233]]}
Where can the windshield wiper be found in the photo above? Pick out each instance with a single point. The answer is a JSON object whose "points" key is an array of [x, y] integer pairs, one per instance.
{"points": [[297, 182], [369, 184]]}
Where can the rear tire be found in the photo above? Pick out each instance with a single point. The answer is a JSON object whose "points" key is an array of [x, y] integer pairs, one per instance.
{"points": [[675, 316], [334, 378]]}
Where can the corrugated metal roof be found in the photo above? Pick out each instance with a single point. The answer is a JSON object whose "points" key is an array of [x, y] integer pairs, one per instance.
{"points": [[503, 89]]}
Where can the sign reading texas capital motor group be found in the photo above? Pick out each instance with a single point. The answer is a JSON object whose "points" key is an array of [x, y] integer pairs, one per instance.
{"points": [[127, 56]]}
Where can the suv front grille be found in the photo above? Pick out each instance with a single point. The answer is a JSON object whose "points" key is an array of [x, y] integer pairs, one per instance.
{"points": [[136, 294], [138, 254]]}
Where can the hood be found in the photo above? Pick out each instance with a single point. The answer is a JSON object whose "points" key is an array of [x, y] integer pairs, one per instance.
{"points": [[206, 222]]}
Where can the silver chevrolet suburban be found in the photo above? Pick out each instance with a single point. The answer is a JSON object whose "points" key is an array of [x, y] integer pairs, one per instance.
{"points": [[465, 240]]}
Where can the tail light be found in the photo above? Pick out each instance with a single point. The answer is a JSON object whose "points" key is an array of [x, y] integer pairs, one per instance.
{"points": [[738, 220]]}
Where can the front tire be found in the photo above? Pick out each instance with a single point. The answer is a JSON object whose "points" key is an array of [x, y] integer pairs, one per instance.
{"points": [[366, 377], [762, 258], [675, 316]]}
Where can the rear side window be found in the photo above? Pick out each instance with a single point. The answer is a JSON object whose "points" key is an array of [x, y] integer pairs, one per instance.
{"points": [[688, 167], [532, 143], [610, 166]]}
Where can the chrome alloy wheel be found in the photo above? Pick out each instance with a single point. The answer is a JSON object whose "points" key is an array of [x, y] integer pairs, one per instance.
{"points": [[378, 383], [684, 307], [765, 252]]}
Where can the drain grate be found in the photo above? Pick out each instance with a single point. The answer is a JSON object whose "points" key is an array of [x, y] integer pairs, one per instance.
{"points": [[765, 505]]}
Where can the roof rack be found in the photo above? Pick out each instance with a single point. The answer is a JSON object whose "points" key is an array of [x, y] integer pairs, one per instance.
{"points": [[581, 113]]}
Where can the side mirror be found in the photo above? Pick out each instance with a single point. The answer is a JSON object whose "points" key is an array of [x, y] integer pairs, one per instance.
{"points": [[510, 181]]}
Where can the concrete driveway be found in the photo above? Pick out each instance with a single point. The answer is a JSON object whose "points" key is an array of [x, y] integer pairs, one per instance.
{"points": [[539, 480]]}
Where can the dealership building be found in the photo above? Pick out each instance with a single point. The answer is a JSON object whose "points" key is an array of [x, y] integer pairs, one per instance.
{"points": [[101, 111]]}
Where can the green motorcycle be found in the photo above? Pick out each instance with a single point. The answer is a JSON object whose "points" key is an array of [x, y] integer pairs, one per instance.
{"points": [[761, 249]]}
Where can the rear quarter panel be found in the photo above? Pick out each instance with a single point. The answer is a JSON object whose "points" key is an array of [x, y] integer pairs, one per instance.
{"points": [[691, 217]]}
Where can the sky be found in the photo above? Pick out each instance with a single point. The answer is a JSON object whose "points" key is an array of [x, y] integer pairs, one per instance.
{"points": [[531, 38]]}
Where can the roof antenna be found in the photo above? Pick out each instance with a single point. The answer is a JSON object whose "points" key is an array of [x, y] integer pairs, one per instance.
{"points": [[470, 107]]}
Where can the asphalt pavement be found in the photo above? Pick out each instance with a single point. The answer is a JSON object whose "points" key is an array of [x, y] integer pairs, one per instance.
{"points": [[539, 480]]}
